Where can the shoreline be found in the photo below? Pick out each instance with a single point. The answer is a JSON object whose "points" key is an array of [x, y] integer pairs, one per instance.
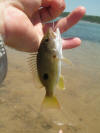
{"points": [[90, 21], [89, 18]]}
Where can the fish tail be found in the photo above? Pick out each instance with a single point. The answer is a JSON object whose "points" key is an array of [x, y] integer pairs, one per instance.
{"points": [[50, 102]]}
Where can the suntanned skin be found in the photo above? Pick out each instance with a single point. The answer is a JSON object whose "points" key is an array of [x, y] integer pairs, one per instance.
{"points": [[22, 22]]}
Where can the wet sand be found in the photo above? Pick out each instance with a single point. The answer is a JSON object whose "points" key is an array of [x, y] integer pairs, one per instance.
{"points": [[20, 101]]}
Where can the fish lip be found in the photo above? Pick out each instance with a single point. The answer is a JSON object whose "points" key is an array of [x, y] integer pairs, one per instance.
{"points": [[52, 34]]}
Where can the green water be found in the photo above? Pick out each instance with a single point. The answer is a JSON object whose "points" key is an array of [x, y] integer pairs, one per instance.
{"points": [[20, 101]]}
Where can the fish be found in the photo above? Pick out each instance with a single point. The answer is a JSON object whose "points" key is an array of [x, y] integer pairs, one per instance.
{"points": [[46, 66]]}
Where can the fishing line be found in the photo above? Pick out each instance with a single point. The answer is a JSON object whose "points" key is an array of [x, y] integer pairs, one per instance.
{"points": [[53, 26]]}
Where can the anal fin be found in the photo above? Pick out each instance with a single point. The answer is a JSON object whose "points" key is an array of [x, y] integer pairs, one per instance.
{"points": [[61, 83]]}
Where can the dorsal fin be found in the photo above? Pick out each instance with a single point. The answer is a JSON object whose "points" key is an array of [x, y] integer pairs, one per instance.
{"points": [[32, 60]]}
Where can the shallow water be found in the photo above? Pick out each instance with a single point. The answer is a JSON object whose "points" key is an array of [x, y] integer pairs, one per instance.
{"points": [[20, 101], [85, 30]]}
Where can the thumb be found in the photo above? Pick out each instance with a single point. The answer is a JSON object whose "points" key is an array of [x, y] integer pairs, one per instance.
{"points": [[19, 32]]}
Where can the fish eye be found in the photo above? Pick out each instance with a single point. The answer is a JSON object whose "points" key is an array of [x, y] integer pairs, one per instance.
{"points": [[46, 39], [45, 76]]}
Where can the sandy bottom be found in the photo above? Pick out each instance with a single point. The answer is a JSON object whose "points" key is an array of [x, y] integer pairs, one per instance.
{"points": [[20, 101]]}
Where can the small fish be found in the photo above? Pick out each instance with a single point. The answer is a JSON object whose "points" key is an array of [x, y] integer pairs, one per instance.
{"points": [[48, 66]]}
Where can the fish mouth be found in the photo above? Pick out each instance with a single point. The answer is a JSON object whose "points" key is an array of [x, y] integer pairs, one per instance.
{"points": [[52, 34]]}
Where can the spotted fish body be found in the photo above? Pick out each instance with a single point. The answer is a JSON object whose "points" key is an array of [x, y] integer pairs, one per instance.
{"points": [[3, 60], [48, 66], [48, 60]]}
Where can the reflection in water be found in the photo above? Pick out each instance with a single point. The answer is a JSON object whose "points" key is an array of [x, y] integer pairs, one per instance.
{"points": [[20, 101]]}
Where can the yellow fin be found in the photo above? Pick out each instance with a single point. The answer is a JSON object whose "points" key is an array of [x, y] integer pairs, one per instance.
{"points": [[61, 83], [50, 103], [66, 60]]}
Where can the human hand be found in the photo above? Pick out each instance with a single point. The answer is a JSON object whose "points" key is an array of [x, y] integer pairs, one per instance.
{"points": [[23, 22]]}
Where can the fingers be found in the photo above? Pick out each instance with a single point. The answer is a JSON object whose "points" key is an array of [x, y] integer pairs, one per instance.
{"points": [[67, 22], [71, 43], [51, 9], [30, 6]]}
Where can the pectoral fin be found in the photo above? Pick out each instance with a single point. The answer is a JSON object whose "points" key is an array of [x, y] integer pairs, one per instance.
{"points": [[61, 83], [66, 60]]}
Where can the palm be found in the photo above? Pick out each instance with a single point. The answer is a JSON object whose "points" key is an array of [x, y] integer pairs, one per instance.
{"points": [[25, 34]]}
